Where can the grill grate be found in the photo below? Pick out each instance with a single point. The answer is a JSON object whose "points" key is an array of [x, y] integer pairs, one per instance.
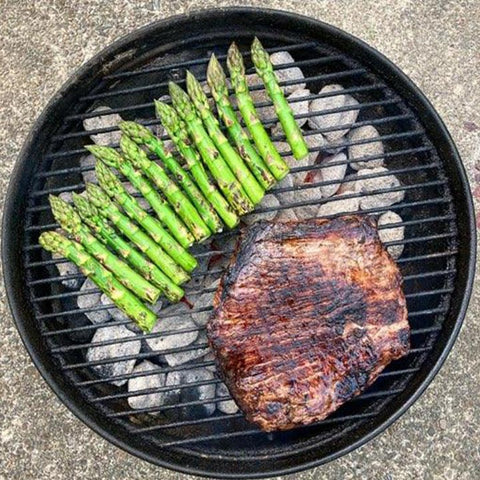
{"points": [[428, 262]]}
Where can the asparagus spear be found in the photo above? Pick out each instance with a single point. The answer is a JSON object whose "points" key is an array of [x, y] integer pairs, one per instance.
{"points": [[114, 188], [144, 242], [143, 136], [218, 86], [112, 158], [177, 132], [292, 131], [226, 180], [179, 201], [267, 150], [103, 278], [71, 222], [98, 224], [249, 183]]}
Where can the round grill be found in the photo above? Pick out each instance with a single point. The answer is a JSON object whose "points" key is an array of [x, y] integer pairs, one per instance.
{"points": [[437, 262]]}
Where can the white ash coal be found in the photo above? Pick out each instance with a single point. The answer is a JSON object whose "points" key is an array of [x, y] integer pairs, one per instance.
{"points": [[104, 121], [334, 173], [365, 150], [175, 329], [225, 406], [286, 74], [330, 121], [199, 393], [339, 205], [87, 164], [268, 201], [150, 381], [92, 301], [66, 269], [391, 233], [198, 349], [112, 351], [385, 181]]}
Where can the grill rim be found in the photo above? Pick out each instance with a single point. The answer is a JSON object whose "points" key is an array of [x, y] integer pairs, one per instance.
{"points": [[13, 235]]}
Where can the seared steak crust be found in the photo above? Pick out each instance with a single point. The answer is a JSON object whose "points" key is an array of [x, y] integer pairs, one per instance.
{"points": [[306, 317]]}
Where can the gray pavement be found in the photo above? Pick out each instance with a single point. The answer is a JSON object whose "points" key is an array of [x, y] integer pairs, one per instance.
{"points": [[436, 42]]}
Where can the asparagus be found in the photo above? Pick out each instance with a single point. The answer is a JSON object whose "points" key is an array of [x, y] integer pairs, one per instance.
{"points": [[218, 86], [103, 278], [267, 150], [292, 131], [114, 188], [92, 218], [71, 222], [249, 183], [179, 201], [143, 136], [112, 158], [175, 128], [143, 241], [226, 180]]}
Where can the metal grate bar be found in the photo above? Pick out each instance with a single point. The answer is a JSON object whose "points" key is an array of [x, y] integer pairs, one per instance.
{"points": [[240, 415], [346, 108], [205, 60], [108, 324], [152, 353], [160, 85], [305, 186], [185, 366], [216, 381], [365, 396], [141, 106]]}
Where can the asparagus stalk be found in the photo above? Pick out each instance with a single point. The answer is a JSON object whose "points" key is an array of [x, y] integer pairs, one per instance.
{"points": [[267, 150], [161, 207], [177, 132], [98, 224], [143, 136], [114, 188], [292, 131], [144, 242], [249, 183], [103, 278], [226, 180], [71, 222], [218, 86], [179, 201]]}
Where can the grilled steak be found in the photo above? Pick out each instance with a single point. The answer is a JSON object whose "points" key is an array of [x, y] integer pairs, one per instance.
{"points": [[306, 317]]}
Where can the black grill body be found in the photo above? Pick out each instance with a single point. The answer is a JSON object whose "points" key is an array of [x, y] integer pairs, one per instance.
{"points": [[437, 263]]}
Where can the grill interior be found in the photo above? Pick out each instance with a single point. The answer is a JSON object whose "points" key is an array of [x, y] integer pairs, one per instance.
{"points": [[428, 262]]}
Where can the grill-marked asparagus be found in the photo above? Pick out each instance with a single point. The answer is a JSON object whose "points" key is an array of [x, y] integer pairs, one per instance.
{"points": [[143, 136], [179, 201], [218, 86], [292, 131], [98, 224], [175, 128], [123, 298], [114, 188], [131, 230], [224, 177], [71, 222], [248, 181], [112, 158], [267, 150]]}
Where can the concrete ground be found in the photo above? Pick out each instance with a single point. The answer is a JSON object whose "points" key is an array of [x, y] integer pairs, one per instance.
{"points": [[436, 42]]}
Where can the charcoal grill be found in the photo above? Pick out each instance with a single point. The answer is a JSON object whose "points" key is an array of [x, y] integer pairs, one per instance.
{"points": [[437, 263]]}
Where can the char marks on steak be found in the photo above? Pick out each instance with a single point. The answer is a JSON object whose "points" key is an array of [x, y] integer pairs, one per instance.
{"points": [[306, 317]]}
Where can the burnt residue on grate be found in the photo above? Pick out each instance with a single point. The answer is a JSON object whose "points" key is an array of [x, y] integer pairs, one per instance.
{"points": [[162, 387]]}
